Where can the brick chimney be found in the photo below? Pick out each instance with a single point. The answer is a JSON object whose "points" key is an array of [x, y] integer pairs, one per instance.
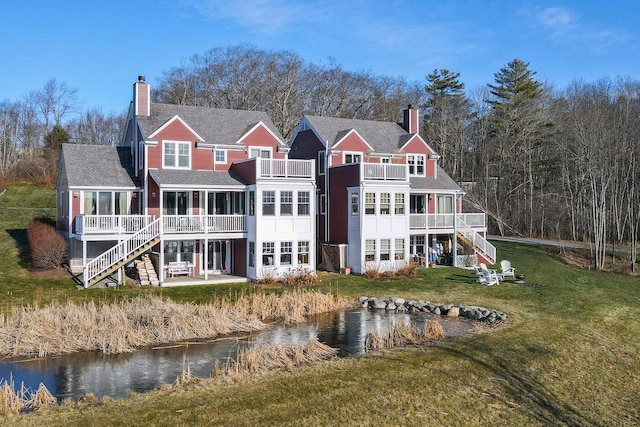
{"points": [[142, 97], [410, 119]]}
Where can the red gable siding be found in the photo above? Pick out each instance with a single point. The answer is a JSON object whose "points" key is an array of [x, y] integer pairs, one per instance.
{"points": [[261, 137], [416, 146], [176, 131], [352, 142]]}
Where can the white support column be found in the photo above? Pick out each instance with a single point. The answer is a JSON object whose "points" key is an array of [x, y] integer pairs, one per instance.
{"points": [[205, 267], [161, 263]]}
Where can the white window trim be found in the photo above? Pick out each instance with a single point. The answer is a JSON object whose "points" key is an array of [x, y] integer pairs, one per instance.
{"points": [[260, 148], [415, 164], [352, 153], [220, 162], [177, 144]]}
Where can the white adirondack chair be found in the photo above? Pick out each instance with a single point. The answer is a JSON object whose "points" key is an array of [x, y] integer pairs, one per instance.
{"points": [[507, 270], [488, 277]]}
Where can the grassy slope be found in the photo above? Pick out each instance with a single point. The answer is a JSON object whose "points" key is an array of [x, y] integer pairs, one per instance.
{"points": [[570, 356]]}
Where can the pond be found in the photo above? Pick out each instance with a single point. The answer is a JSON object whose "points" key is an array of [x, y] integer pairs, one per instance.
{"points": [[74, 375]]}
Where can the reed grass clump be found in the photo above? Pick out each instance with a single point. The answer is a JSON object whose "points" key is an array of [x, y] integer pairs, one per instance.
{"points": [[401, 335], [123, 326], [14, 401], [262, 358]]}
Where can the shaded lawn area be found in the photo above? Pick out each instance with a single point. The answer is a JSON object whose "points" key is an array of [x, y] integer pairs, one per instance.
{"points": [[568, 356]]}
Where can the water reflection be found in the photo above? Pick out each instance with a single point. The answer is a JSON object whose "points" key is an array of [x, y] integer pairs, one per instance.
{"points": [[117, 376]]}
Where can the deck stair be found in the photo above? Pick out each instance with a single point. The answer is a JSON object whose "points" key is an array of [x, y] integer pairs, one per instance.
{"points": [[124, 252], [474, 239]]}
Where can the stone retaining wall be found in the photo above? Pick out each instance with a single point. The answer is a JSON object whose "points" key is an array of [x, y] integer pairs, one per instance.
{"points": [[412, 306]]}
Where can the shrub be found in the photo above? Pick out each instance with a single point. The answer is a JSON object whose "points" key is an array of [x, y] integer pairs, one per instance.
{"points": [[299, 277], [48, 247]]}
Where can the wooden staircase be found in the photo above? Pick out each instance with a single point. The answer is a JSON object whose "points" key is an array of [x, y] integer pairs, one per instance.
{"points": [[475, 240], [124, 252]]}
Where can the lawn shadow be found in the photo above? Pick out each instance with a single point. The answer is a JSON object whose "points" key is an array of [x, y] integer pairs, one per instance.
{"points": [[543, 404], [19, 236]]}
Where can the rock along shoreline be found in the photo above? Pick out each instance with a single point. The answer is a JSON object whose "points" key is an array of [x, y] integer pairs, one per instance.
{"points": [[401, 305]]}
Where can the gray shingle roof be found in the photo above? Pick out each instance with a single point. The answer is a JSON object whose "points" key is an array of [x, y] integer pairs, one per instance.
{"points": [[97, 166], [214, 125], [442, 182], [383, 137], [188, 178]]}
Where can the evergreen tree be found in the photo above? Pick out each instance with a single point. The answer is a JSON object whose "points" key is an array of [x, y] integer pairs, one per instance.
{"points": [[446, 119]]}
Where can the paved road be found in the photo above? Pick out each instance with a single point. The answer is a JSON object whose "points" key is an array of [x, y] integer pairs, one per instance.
{"points": [[563, 243]]}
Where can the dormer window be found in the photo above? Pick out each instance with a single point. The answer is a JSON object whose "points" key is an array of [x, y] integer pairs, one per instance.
{"points": [[416, 164], [177, 154]]}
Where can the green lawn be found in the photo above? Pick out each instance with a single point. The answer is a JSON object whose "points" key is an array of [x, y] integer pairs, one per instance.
{"points": [[569, 356]]}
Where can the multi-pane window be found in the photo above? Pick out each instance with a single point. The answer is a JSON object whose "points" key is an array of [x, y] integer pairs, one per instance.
{"points": [[221, 156], [268, 203], [385, 249], [178, 251], [370, 203], [385, 160], [176, 154], [352, 158], [323, 204], [286, 251], [303, 252], [303, 203], [398, 249], [399, 204], [263, 153], [105, 203], [268, 253], [286, 203], [385, 203], [355, 204], [252, 254], [370, 250], [416, 164], [417, 245]]}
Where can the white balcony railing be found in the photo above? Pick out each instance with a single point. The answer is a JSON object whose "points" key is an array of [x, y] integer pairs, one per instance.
{"points": [[111, 224], [383, 172], [429, 221], [284, 168], [204, 224]]}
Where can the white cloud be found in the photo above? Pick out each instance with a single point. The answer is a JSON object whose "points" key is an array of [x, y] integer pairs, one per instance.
{"points": [[259, 16], [556, 18]]}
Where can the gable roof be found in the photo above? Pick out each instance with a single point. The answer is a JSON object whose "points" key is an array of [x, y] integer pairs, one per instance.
{"points": [[214, 125], [97, 166], [385, 137]]}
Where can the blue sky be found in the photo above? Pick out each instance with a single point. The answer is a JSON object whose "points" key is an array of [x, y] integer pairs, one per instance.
{"points": [[100, 47]]}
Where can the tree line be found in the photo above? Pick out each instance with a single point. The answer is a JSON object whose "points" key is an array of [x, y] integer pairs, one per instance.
{"points": [[33, 129], [540, 161]]}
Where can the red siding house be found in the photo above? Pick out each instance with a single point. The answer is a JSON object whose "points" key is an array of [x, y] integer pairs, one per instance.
{"points": [[210, 194], [383, 198]]}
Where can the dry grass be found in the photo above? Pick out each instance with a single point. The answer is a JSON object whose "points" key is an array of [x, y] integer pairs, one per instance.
{"points": [[401, 335], [122, 327], [259, 359], [14, 401]]}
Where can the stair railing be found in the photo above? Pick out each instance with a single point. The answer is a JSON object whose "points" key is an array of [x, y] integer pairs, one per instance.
{"points": [[120, 251], [479, 242]]}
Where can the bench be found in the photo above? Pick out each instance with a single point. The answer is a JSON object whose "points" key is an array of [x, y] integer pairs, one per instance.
{"points": [[179, 267]]}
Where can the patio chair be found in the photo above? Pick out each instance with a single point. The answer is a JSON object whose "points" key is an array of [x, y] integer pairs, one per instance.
{"points": [[507, 270], [488, 277]]}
